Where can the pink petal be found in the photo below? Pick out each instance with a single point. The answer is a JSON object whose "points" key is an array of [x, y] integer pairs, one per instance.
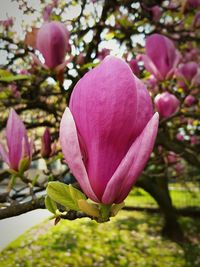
{"points": [[149, 66], [4, 154], [63, 65], [71, 150], [15, 132], [144, 110], [177, 59], [132, 165]]}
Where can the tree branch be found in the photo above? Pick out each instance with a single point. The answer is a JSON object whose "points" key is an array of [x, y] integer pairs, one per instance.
{"points": [[21, 208]]}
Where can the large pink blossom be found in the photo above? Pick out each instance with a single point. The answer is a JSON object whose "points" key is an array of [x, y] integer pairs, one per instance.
{"points": [[108, 132]]}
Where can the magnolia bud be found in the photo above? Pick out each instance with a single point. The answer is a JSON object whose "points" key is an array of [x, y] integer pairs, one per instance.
{"points": [[46, 144]]}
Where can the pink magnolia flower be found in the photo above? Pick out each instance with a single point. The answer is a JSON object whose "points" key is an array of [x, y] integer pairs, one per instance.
{"points": [[166, 104], [196, 21], [24, 72], [134, 66], [193, 3], [194, 140], [172, 158], [189, 100], [103, 53], [7, 23], [156, 12], [161, 56], [47, 12], [192, 54], [14, 91], [108, 132], [179, 167], [186, 74], [46, 144], [180, 137], [53, 42], [19, 147], [152, 83], [55, 2], [80, 59]]}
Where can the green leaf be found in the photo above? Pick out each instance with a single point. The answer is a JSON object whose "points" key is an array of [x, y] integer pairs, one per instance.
{"points": [[109, 36], [50, 204], [4, 73], [76, 194], [12, 78], [116, 208], [12, 182], [60, 193], [24, 164], [35, 179], [89, 209], [88, 65]]}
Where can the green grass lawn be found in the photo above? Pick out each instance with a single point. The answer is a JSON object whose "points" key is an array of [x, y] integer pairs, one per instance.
{"points": [[181, 198], [129, 239]]}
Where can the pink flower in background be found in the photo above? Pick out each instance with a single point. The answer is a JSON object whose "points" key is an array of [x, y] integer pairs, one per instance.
{"points": [[53, 42], [180, 137], [161, 56], [55, 2], [46, 144], [152, 83], [156, 12], [186, 74], [15, 92], [134, 66], [179, 168], [103, 53], [193, 3], [7, 23], [160, 149], [47, 12], [80, 59], [108, 132], [196, 21], [19, 147], [166, 104], [172, 158], [190, 100], [194, 140], [193, 54], [24, 72]]}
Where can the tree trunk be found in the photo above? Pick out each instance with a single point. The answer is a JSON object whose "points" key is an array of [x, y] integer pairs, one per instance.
{"points": [[158, 189]]}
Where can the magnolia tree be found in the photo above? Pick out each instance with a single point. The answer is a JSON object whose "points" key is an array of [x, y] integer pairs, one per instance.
{"points": [[111, 93]]}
